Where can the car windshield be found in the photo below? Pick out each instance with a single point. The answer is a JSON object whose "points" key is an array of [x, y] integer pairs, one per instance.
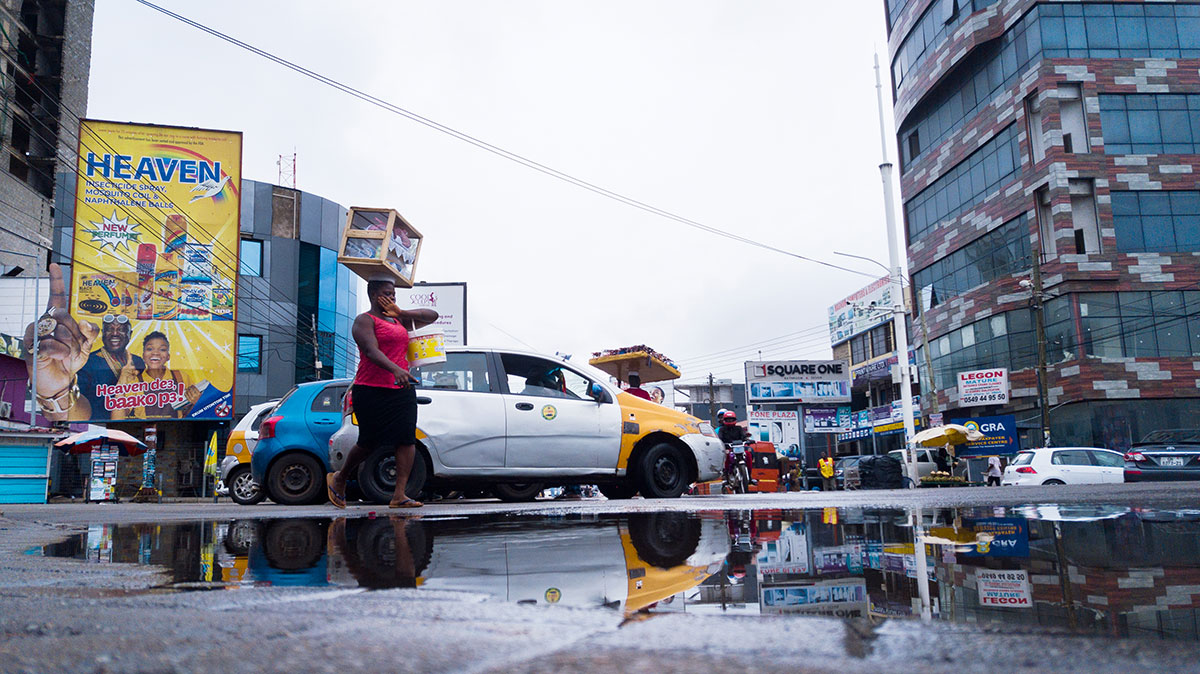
{"points": [[1024, 458], [1188, 435]]}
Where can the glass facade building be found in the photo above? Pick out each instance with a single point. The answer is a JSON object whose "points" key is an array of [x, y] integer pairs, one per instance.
{"points": [[1064, 135]]}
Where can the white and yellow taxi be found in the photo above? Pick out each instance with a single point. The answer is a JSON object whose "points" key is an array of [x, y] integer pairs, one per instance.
{"points": [[518, 422]]}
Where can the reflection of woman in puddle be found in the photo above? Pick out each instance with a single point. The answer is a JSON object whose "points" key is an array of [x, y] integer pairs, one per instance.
{"points": [[379, 559], [156, 354]]}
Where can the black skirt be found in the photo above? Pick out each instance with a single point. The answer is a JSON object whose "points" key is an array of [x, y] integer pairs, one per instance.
{"points": [[387, 417]]}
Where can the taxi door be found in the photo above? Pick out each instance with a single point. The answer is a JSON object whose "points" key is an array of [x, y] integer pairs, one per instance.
{"points": [[461, 412], [552, 423]]}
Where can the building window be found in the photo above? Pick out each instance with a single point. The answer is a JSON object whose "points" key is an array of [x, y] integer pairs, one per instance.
{"points": [[250, 258], [995, 163], [1083, 217], [939, 19], [1120, 30], [1156, 221], [1004, 340], [1150, 123], [860, 348], [249, 353], [1164, 324], [1000, 252], [881, 340], [984, 73], [1072, 119]]}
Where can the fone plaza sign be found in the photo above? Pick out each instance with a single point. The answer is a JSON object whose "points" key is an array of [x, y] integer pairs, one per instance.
{"points": [[799, 381], [983, 387]]}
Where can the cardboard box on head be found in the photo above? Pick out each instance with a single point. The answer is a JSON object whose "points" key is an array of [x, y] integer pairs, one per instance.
{"points": [[379, 244]]}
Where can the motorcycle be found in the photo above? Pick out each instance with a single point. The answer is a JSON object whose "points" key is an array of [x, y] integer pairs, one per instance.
{"points": [[737, 470]]}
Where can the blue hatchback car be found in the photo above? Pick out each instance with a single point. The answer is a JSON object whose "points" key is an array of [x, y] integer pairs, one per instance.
{"points": [[292, 455]]}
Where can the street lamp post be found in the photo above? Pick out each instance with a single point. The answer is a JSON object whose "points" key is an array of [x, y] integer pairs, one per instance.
{"points": [[900, 328]]}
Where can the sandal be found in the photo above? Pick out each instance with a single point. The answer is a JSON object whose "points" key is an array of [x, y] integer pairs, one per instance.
{"points": [[406, 503], [338, 500]]}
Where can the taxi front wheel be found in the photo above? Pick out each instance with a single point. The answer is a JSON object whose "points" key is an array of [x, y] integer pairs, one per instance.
{"points": [[663, 472]]}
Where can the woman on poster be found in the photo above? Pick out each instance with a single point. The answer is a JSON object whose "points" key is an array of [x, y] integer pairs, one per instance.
{"points": [[384, 399], [156, 354]]}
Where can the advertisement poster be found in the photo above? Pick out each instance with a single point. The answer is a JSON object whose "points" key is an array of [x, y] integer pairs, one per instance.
{"points": [[826, 419], [448, 299], [154, 274], [1008, 589], [844, 598], [779, 427], [861, 311], [103, 483], [983, 387], [999, 436], [804, 381]]}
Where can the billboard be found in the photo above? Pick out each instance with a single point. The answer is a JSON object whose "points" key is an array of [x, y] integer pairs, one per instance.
{"points": [[154, 273], [801, 381], [861, 311], [999, 435], [448, 299], [827, 419], [983, 387], [779, 427]]}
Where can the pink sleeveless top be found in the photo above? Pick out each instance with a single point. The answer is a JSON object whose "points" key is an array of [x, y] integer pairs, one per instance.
{"points": [[393, 342]]}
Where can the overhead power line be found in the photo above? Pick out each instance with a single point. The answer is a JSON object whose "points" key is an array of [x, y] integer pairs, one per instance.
{"points": [[488, 147]]}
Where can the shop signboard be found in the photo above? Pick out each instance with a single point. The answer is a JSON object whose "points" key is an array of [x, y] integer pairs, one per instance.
{"points": [[1008, 537], [983, 387], [787, 555], [826, 419], [801, 381], [862, 419], [999, 436], [779, 427], [155, 265], [842, 597], [448, 299], [1007, 589], [861, 311]]}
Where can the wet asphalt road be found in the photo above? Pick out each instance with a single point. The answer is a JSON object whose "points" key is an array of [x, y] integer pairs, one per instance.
{"points": [[65, 615]]}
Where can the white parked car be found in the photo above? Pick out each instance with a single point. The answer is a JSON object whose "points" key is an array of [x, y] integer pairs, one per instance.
{"points": [[1065, 465], [925, 462], [235, 467]]}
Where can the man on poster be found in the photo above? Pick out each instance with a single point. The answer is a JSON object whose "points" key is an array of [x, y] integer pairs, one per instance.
{"points": [[104, 366]]}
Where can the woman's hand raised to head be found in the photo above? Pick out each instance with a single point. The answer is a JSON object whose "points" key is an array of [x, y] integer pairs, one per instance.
{"points": [[390, 308]]}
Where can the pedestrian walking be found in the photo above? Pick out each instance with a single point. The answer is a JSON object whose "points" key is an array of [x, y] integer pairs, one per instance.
{"points": [[993, 471], [383, 396]]}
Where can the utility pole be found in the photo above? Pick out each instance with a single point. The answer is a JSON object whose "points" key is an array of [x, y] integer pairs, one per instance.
{"points": [[898, 323], [712, 413], [1039, 327], [316, 357]]}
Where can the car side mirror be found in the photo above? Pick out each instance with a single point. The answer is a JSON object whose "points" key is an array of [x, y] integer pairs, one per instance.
{"points": [[596, 392]]}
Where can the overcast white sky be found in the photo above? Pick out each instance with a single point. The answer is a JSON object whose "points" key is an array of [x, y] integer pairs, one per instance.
{"points": [[752, 117]]}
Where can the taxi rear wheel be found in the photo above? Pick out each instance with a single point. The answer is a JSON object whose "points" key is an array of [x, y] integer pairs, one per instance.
{"points": [[377, 476], [242, 487], [518, 492], [663, 472]]}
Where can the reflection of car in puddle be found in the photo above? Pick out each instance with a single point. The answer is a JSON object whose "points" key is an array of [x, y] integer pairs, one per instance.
{"points": [[630, 563]]}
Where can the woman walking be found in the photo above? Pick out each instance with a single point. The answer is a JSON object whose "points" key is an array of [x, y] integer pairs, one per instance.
{"points": [[385, 402]]}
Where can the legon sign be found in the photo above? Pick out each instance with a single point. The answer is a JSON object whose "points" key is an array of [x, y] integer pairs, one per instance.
{"points": [[802, 381]]}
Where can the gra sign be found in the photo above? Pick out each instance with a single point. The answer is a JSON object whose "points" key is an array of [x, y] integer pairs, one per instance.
{"points": [[803, 381]]}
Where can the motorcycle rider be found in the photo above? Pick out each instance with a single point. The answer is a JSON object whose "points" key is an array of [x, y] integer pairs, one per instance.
{"points": [[730, 432]]}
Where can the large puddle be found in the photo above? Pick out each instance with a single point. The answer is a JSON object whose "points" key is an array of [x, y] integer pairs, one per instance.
{"points": [[1115, 571]]}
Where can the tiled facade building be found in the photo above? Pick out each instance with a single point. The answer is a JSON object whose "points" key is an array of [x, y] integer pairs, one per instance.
{"points": [[1066, 133]]}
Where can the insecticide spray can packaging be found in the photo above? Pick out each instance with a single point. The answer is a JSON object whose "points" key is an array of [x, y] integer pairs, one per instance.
{"points": [[174, 233], [166, 288], [147, 256]]}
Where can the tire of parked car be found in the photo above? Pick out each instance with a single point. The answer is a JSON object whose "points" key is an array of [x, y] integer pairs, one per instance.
{"points": [[377, 476], [1054, 482], [242, 487], [620, 490], [662, 472], [664, 540], [293, 544], [296, 478], [517, 492]]}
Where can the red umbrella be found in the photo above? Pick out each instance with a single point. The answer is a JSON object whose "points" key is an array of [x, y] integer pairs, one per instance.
{"points": [[85, 441]]}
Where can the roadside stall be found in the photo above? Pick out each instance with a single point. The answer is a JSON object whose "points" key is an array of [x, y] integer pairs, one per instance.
{"points": [[25, 465], [947, 437]]}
